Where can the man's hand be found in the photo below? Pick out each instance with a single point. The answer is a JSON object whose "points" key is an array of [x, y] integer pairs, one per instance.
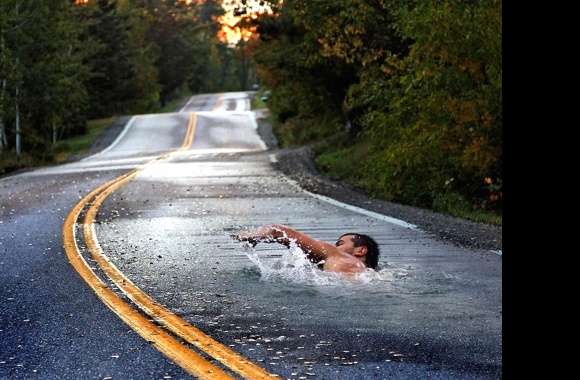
{"points": [[246, 236], [277, 233]]}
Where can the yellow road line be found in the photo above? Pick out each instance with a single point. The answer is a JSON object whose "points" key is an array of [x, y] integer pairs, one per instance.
{"points": [[187, 359], [190, 361], [191, 126], [174, 323]]}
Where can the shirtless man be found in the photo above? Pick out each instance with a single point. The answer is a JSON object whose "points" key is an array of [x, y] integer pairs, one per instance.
{"points": [[352, 252]]}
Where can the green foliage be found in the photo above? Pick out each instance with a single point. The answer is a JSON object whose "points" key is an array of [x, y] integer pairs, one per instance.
{"points": [[302, 130], [260, 99], [10, 163], [419, 83], [352, 170], [219, 68], [176, 103], [307, 87], [112, 74], [41, 72], [440, 128], [66, 148], [142, 53]]}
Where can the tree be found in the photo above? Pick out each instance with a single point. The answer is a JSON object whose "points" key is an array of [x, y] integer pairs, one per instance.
{"points": [[308, 87], [112, 86], [42, 74], [174, 28]]}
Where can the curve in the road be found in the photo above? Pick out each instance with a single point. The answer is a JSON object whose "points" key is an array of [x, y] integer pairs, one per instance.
{"points": [[189, 360]]}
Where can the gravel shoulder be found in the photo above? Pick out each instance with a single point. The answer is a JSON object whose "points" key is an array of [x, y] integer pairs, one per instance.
{"points": [[298, 164]]}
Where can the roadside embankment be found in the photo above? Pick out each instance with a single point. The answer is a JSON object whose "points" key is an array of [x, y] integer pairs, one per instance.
{"points": [[298, 164]]}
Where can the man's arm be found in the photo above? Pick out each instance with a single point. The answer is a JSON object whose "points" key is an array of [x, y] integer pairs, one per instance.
{"points": [[315, 249]]}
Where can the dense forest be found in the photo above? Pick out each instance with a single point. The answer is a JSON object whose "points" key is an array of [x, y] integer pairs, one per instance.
{"points": [[63, 62], [402, 98]]}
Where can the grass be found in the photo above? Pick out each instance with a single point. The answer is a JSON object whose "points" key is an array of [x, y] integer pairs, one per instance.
{"points": [[345, 165], [9, 163], [480, 216], [177, 101], [67, 148], [257, 102], [63, 150]]}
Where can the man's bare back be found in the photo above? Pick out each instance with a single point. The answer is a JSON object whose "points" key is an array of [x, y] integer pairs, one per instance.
{"points": [[352, 253]]}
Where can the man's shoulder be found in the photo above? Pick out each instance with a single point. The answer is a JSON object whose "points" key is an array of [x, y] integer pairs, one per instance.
{"points": [[343, 263]]}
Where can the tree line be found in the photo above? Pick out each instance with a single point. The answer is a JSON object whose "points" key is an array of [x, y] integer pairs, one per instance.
{"points": [[63, 62], [402, 98]]}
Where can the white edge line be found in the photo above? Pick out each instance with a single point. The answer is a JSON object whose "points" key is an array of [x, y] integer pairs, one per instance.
{"points": [[252, 116], [12, 176], [186, 104], [123, 133], [359, 210]]}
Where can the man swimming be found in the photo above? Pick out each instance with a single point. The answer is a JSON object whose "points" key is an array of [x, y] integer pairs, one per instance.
{"points": [[352, 252]]}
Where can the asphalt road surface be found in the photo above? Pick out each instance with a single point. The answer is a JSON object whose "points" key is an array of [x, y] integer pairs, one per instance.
{"points": [[196, 176]]}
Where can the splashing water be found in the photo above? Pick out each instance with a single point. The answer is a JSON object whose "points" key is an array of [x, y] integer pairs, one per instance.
{"points": [[294, 267]]}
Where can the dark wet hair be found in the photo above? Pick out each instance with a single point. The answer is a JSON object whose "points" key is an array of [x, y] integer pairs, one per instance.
{"points": [[372, 256]]}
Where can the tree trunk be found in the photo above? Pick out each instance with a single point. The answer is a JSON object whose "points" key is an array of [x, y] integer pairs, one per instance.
{"points": [[3, 139], [18, 142]]}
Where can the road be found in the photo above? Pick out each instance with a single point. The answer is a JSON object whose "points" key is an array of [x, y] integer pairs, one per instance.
{"points": [[80, 289]]}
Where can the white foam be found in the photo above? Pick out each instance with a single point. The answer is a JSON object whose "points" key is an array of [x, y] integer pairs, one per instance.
{"points": [[293, 266]]}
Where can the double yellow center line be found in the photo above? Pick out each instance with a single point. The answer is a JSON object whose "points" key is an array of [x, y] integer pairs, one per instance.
{"points": [[191, 126], [159, 336]]}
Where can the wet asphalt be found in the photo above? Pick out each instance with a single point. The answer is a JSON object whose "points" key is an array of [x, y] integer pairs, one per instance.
{"points": [[438, 316]]}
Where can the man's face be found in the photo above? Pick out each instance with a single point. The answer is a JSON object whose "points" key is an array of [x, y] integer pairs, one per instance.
{"points": [[346, 245]]}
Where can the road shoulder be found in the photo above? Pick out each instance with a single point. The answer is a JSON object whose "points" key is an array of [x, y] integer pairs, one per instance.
{"points": [[298, 164]]}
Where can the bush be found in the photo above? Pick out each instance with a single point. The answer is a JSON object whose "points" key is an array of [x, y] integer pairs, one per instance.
{"points": [[436, 122]]}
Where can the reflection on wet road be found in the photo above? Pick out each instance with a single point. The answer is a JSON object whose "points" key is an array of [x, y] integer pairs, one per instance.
{"points": [[434, 310]]}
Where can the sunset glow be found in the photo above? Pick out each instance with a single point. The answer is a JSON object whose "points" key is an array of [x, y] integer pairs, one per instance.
{"points": [[230, 31]]}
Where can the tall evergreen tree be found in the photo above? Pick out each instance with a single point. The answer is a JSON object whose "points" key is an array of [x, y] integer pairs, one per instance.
{"points": [[112, 85], [42, 73]]}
